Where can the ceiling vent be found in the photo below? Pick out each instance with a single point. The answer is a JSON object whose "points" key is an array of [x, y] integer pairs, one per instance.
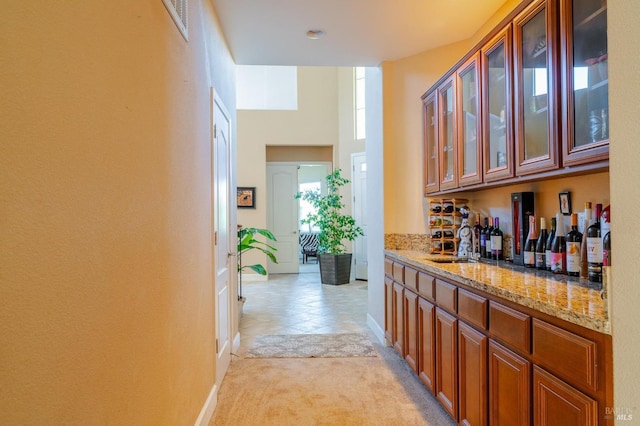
{"points": [[178, 11]]}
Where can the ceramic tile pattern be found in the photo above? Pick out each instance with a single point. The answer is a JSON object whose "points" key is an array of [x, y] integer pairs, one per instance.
{"points": [[565, 300], [300, 304]]}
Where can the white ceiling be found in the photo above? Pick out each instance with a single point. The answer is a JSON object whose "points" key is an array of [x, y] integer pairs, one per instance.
{"points": [[357, 32]]}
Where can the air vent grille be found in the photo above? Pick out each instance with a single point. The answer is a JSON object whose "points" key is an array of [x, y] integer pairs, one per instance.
{"points": [[178, 10]]}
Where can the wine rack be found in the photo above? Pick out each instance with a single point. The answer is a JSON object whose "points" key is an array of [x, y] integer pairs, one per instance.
{"points": [[443, 224]]}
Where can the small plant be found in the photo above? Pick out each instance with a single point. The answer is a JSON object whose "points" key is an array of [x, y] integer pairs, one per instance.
{"points": [[247, 241], [335, 227]]}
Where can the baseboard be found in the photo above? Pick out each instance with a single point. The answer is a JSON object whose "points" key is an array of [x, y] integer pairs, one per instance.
{"points": [[208, 408], [375, 327], [236, 344]]}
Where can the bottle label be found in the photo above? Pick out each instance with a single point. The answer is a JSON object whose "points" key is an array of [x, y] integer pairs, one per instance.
{"points": [[540, 260], [557, 262], [573, 257], [496, 243], [547, 260], [594, 249], [487, 245], [483, 241], [529, 258], [606, 260]]}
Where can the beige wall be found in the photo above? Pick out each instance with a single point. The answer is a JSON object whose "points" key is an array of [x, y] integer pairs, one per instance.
{"points": [[106, 304]]}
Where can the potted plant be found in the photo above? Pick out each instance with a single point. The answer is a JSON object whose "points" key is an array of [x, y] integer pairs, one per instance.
{"points": [[335, 228], [247, 241]]}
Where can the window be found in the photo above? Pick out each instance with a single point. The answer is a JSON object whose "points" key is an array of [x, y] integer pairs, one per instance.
{"points": [[358, 73], [266, 87], [305, 209], [178, 11]]}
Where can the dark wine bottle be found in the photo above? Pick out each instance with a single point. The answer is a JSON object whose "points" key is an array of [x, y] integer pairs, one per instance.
{"points": [[584, 263], [530, 244], [606, 249], [483, 238], [541, 245], [496, 240], [574, 241], [594, 248], [549, 243], [489, 231], [558, 250], [477, 229]]}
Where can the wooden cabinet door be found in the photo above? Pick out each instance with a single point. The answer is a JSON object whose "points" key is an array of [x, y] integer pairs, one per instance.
{"points": [[535, 88], [473, 368], [426, 340], [398, 318], [497, 106], [585, 78], [557, 403], [509, 387], [388, 310], [469, 122], [411, 329], [446, 326], [447, 135], [430, 143]]}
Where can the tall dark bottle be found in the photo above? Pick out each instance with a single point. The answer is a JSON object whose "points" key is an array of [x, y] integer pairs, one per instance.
{"points": [[558, 250], [574, 241], [606, 249], [541, 245], [488, 232], [496, 240], [530, 244], [477, 229], [483, 238], [594, 248], [549, 243]]}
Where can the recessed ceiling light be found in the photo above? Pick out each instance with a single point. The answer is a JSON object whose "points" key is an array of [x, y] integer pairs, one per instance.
{"points": [[315, 34]]}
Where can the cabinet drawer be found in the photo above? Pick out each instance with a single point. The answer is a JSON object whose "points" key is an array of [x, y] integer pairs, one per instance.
{"points": [[398, 272], [388, 268], [411, 278], [446, 295], [569, 356], [510, 326], [473, 308], [426, 286]]}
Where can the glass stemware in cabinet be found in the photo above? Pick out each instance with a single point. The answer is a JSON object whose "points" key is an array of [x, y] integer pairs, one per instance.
{"points": [[469, 124], [430, 148]]}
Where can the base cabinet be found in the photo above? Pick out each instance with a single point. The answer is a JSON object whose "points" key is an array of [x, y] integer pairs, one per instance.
{"points": [[472, 364], [388, 310], [427, 342], [509, 387], [557, 403], [398, 320], [446, 326], [411, 329]]}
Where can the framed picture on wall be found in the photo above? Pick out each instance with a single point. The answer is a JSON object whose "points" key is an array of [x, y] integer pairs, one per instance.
{"points": [[565, 203], [246, 197]]}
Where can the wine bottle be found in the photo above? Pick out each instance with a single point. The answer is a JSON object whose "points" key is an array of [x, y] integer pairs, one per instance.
{"points": [[594, 248], [530, 244], [605, 221], [477, 229], [483, 238], [584, 264], [496, 240], [541, 245], [606, 249], [558, 250], [488, 238], [574, 240], [549, 243]]}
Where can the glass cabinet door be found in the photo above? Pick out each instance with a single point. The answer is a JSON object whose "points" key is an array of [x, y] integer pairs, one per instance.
{"points": [[469, 124], [447, 134], [535, 118], [586, 84], [497, 107], [430, 148]]}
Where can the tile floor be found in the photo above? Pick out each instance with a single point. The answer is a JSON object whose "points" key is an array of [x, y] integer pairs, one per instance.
{"points": [[300, 304]]}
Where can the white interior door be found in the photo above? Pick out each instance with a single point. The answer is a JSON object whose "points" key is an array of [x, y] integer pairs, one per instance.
{"points": [[282, 216], [222, 235], [359, 187]]}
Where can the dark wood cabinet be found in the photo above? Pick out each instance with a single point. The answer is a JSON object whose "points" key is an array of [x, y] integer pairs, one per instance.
{"points": [[446, 327], [557, 403], [398, 318], [426, 339], [585, 81], [388, 310], [535, 86], [411, 329], [472, 367], [447, 134], [430, 144], [469, 124], [509, 387]]}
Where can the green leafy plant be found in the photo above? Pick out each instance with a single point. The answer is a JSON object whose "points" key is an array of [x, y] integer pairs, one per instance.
{"points": [[247, 241], [335, 226]]}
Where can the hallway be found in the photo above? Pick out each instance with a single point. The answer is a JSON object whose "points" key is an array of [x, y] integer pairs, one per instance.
{"points": [[317, 391]]}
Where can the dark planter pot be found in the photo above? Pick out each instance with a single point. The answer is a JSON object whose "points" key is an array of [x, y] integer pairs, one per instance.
{"points": [[335, 269]]}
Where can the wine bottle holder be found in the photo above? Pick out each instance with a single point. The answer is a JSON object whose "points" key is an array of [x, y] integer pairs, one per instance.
{"points": [[444, 220]]}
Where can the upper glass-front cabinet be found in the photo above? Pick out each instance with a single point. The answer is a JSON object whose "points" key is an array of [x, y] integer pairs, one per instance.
{"points": [[447, 134], [535, 115], [497, 107], [585, 76], [430, 154], [469, 123]]}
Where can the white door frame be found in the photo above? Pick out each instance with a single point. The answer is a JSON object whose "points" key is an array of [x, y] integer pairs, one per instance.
{"points": [[359, 209]]}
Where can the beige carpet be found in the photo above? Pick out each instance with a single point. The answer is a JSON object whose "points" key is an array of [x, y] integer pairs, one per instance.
{"points": [[325, 391], [336, 345]]}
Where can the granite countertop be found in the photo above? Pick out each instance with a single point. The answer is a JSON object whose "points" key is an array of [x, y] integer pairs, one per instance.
{"points": [[559, 296]]}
